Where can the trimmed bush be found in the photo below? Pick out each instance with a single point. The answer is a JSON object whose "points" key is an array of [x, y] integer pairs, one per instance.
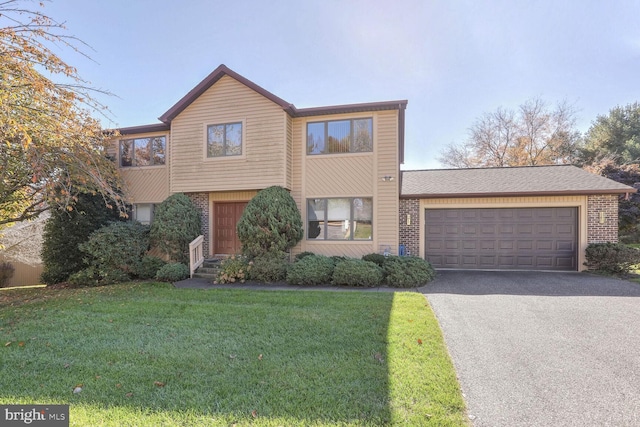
{"points": [[614, 258], [65, 230], [6, 273], [149, 267], [377, 259], [303, 254], [407, 271], [356, 272], [235, 269], [93, 276], [119, 246], [337, 259], [311, 270], [271, 222], [172, 272], [269, 268], [176, 222]]}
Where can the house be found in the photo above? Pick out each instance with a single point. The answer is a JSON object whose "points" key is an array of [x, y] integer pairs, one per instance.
{"points": [[228, 138]]}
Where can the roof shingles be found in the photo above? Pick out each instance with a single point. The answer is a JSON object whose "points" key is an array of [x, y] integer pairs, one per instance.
{"points": [[514, 181]]}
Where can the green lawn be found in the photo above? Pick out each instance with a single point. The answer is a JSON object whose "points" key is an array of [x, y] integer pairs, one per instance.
{"points": [[147, 354]]}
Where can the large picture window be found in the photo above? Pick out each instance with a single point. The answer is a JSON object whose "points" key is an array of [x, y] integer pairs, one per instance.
{"points": [[142, 151], [224, 140], [340, 219], [340, 136]]}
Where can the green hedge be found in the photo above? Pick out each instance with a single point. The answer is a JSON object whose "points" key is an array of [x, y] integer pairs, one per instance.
{"points": [[615, 258], [269, 267], [172, 272], [312, 270], [407, 272], [356, 272]]}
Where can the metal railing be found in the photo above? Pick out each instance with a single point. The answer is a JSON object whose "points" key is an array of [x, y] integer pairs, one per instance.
{"points": [[196, 254]]}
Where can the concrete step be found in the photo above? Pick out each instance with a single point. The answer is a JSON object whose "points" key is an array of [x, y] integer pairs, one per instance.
{"points": [[207, 276], [208, 270]]}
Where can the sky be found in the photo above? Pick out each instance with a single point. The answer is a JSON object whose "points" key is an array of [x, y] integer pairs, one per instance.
{"points": [[452, 60]]}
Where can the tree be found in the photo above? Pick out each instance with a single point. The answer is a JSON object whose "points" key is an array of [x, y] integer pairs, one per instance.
{"points": [[615, 136], [65, 230], [628, 207], [270, 223], [176, 222], [532, 135], [48, 137]]}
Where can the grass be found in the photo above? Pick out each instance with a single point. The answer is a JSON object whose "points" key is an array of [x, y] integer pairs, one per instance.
{"points": [[147, 354]]}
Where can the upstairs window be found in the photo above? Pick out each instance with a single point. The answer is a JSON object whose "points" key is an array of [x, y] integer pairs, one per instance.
{"points": [[224, 140], [142, 151], [340, 136]]}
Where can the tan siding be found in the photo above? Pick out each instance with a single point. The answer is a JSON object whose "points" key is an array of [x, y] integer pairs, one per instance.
{"points": [[232, 196], [289, 157], [348, 249], [387, 193], [148, 184], [338, 175], [355, 175], [25, 274], [261, 164], [514, 202]]}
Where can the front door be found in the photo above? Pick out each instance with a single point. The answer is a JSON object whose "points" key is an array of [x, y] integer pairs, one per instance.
{"points": [[225, 237]]}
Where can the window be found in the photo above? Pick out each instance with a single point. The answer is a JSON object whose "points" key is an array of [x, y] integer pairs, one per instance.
{"points": [[142, 151], [143, 212], [224, 140], [340, 136], [340, 219]]}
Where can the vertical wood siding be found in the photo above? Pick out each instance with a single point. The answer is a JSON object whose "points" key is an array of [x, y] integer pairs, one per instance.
{"points": [[264, 141]]}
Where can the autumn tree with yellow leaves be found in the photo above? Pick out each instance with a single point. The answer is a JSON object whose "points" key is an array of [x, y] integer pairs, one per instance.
{"points": [[51, 146]]}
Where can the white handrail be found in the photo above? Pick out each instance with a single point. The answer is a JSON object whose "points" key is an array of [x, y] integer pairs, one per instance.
{"points": [[196, 255]]}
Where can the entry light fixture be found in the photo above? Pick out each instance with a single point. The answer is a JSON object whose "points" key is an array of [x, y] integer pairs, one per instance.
{"points": [[387, 178]]}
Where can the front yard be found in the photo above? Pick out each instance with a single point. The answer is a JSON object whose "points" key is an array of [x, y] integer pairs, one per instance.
{"points": [[146, 354]]}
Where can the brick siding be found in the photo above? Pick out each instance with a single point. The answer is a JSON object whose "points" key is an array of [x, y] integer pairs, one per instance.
{"points": [[410, 234], [607, 231], [201, 200]]}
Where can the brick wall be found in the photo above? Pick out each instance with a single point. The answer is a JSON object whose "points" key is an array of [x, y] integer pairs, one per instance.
{"points": [[410, 234], [201, 200], [602, 229]]}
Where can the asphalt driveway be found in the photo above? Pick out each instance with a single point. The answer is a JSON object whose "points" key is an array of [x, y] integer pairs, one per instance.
{"points": [[542, 349]]}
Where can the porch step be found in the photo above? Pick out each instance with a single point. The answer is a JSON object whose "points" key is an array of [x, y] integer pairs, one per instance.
{"points": [[208, 270]]}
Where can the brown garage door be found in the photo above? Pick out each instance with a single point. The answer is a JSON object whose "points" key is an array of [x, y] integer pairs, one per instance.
{"points": [[514, 238]]}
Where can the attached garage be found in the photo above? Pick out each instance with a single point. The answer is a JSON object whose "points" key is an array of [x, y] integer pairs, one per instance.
{"points": [[502, 238], [520, 218]]}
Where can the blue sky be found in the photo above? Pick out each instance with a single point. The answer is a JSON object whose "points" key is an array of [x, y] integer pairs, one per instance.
{"points": [[452, 60]]}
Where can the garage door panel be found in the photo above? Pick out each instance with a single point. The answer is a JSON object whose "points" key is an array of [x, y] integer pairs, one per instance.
{"points": [[507, 238]]}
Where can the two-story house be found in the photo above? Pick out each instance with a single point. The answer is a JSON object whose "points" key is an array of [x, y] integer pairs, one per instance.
{"points": [[228, 138]]}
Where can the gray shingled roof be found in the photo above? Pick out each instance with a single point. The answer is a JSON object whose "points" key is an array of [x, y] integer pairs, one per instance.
{"points": [[516, 181]]}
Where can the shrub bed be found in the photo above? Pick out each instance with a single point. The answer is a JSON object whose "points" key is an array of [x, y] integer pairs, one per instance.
{"points": [[235, 269], [270, 267], [356, 272], [172, 272], [614, 258], [312, 270], [407, 272]]}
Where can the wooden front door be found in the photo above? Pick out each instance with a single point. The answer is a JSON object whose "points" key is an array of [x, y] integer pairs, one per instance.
{"points": [[225, 237]]}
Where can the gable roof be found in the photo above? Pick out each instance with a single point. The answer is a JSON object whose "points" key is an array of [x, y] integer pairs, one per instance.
{"points": [[504, 182]]}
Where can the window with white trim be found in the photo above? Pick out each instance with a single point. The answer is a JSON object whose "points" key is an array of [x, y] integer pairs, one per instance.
{"points": [[348, 218], [340, 136], [143, 151], [224, 140], [143, 213]]}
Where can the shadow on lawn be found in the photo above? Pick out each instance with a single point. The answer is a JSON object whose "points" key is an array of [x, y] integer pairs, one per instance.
{"points": [[308, 358], [529, 283]]}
